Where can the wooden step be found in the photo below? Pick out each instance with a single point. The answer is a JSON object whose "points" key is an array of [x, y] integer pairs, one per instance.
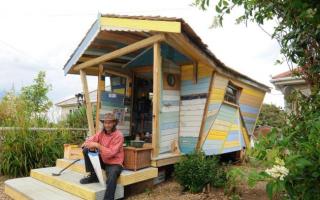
{"points": [[127, 177], [29, 188], [69, 182]]}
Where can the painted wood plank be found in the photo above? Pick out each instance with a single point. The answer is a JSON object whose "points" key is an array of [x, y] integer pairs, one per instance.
{"points": [[170, 109], [169, 131], [141, 24], [194, 102], [190, 118], [191, 113], [192, 108], [190, 124], [171, 92]]}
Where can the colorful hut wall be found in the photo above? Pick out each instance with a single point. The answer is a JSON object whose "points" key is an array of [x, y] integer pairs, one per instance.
{"points": [[192, 104], [169, 106], [228, 126]]}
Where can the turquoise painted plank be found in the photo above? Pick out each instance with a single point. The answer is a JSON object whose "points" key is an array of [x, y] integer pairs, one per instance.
{"points": [[249, 109], [210, 152], [170, 103], [249, 119], [233, 136], [170, 125], [195, 86], [209, 122], [170, 117], [195, 91], [188, 144], [214, 106], [200, 81]]}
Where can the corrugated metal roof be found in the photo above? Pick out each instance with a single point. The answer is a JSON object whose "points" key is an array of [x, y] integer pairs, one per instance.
{"points": [[188, 32]]}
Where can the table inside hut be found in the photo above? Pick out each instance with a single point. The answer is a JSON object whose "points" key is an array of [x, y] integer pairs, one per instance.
{"points": [[137, 158]]}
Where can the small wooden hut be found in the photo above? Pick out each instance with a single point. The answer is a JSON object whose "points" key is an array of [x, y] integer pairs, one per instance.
{"points": [[166, 82]]}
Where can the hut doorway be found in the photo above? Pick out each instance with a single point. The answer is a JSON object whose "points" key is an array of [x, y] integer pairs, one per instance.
{"points": [[142, 107]]}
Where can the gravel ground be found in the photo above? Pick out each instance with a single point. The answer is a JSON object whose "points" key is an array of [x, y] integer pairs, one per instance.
{"points": [[171, 190], [3, 196]]}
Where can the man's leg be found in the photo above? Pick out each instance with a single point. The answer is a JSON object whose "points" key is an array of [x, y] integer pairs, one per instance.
{"points": [[87, 162], [113, 172], [92, 178]]}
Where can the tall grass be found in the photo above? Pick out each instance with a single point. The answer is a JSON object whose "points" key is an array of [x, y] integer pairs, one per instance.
{"points": [[23, 149]]}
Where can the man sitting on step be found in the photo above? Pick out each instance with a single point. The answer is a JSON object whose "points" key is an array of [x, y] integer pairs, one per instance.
{"points": [[109, 143]]}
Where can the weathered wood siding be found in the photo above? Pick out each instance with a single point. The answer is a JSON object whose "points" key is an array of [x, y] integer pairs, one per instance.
{"points": [[192, 104], [225, 134], [227, 127], [169, 107]]}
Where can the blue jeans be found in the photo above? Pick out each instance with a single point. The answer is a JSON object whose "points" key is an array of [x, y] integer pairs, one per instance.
{"points": [[112, 171]]}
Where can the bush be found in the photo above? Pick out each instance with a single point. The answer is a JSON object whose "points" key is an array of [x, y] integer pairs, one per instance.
{"points": [[22, 150], [196, 170]]}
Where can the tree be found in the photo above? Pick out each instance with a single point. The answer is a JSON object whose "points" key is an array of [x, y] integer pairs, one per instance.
{"points": [[297, 29], [35, 96], [298, 33], [271, 115]]}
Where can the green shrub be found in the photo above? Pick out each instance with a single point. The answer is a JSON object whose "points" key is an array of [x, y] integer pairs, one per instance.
{"points": [[22, 150], [196, 170]]}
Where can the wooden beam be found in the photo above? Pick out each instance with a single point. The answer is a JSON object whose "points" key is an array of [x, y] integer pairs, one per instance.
{"points": [[156, 98], [141, 24], [100, 88], [117, 37], [88, 103], [120, 52], [202, 136]]}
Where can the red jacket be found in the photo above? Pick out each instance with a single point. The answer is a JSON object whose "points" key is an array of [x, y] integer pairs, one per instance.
{"points": [[111, 146]]}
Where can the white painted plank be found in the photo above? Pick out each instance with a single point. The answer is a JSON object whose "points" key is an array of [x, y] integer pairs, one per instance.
{"points": [[171, 92], [170, 98], [169, 131], [192, 107], [191, 113], [190, 124], [170, 109], [193, 102], [190, 119]]}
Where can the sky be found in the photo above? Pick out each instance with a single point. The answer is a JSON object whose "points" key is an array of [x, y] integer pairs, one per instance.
{"points": [[41, 35]]}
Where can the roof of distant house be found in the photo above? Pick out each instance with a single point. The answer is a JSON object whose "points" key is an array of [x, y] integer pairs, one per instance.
{"points": [[73, 100]]}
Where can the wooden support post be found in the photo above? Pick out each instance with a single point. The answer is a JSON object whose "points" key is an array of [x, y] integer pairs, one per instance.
{"points": [[88, 103], [156, 98], [100, 88]]}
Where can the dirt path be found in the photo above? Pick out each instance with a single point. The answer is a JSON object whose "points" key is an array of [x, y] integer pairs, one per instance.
{"points": [[171, 190]]}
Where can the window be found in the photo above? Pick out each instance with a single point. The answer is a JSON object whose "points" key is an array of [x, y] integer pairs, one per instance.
{"points": [[232, 93]]}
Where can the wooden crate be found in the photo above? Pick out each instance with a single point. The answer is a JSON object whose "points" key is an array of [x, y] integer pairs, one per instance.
{"points": [[72, 152], [137, 158]]}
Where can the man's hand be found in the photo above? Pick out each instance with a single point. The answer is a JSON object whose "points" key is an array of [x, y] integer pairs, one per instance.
{"points": [[91, 145]]}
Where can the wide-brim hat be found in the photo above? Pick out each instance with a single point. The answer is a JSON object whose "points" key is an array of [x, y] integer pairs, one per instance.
{"points": [[108, 117]]}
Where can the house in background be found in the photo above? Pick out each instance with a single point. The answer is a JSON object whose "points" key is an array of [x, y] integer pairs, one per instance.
{"points": [[287, 82], [69, 105]]}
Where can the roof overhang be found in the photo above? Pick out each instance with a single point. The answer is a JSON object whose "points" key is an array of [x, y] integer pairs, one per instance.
{"points": [[111, 33]]}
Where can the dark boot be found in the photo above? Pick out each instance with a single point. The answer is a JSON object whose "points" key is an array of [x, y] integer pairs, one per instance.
{"points": [[91, 178]]}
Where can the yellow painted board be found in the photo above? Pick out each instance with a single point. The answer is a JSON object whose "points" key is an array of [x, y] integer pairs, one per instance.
{"points": [[231, 144], [14, 194], [215, 137], [142, 24], [217, 132], [72, 188], [124, 178]]}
